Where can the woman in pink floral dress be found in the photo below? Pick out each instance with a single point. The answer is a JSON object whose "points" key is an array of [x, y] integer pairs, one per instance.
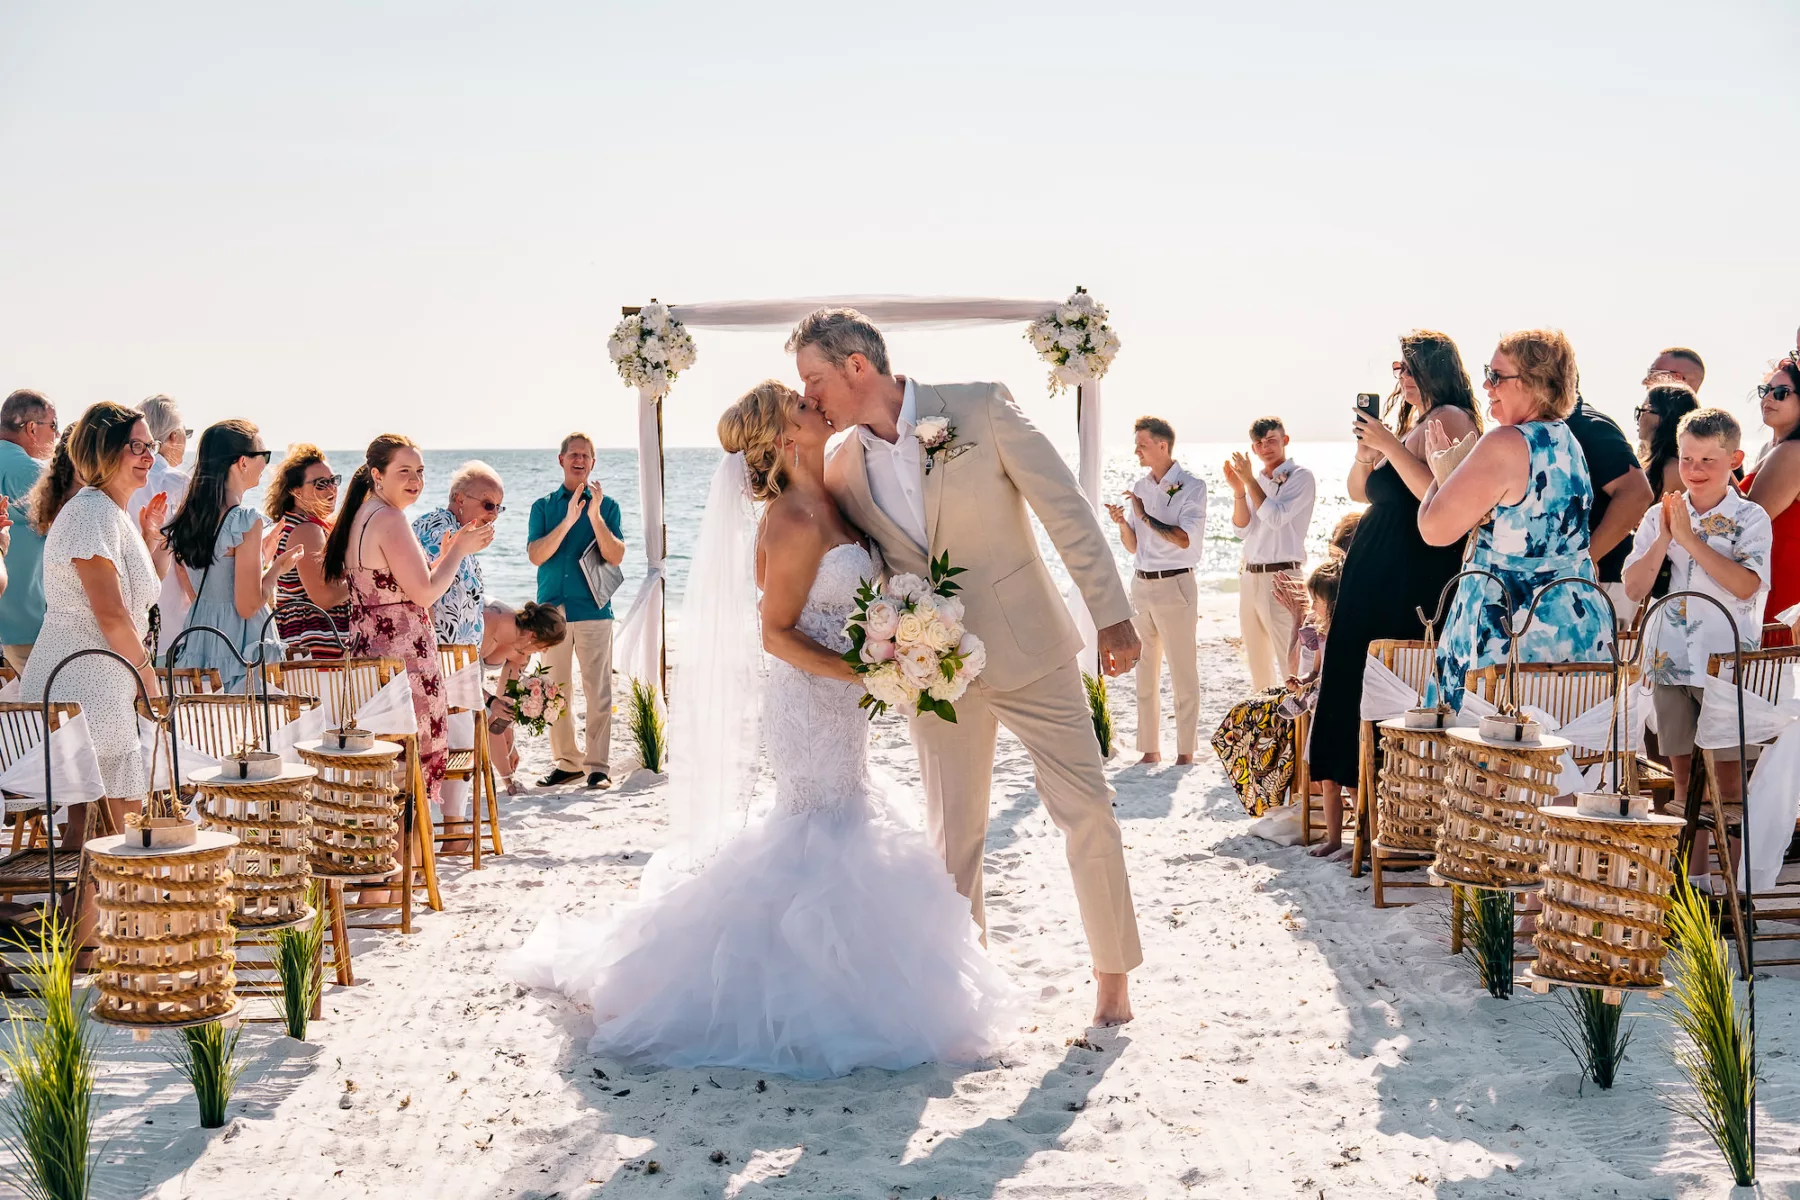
{"points": [[392, 586]]}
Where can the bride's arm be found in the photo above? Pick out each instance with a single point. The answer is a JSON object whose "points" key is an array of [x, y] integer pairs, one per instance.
{"points": [[790, 548]]}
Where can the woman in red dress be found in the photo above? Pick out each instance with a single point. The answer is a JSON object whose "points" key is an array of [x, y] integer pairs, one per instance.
{"points": [[392, 587], [1775, 483]]}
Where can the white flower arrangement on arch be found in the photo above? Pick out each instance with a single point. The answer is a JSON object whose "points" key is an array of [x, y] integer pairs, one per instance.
{"points": [[650, 348], [1075, 340]]}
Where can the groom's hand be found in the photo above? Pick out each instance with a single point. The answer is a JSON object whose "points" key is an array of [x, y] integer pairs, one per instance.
{"points": [[1119, 648]]}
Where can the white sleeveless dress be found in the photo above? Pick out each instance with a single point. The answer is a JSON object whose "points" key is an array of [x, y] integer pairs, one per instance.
{"points": [[823, 939]]}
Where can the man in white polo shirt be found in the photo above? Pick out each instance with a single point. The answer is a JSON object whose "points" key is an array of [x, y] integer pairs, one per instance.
{"points": [[1271, 508], [1164, 530]]}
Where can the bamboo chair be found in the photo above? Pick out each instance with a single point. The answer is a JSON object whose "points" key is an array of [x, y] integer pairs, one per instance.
{"points": [[1413, 660], [1776, 636], [1762, 677], [475, 765], [348, 684], [1300, 785], [21, 733], [195, 681]]}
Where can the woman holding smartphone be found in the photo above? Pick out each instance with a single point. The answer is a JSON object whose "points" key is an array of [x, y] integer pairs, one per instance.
{"points": [[1389, 571]]}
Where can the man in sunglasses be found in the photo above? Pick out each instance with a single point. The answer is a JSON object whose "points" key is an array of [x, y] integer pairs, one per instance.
{"points": [[476, 494], [27, 439]]}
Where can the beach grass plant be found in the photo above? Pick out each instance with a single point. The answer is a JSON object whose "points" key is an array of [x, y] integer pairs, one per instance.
{"points": [[647, 728], [1594, 1031], [1100, 710], [1713, 1048], [299, 964], [209, 1061], [1488, 926], [48, 1055]]}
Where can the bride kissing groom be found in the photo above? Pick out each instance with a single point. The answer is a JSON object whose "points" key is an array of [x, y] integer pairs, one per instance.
{"points": [[826, 938]]}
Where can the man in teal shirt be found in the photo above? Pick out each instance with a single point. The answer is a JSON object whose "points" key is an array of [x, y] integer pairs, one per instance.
{"points": [[27, 439], [563, 525]]}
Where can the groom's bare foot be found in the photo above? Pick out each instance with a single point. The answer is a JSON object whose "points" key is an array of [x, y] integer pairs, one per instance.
{"points": [[1184, 760], [1149, 759], [1112, 998]]}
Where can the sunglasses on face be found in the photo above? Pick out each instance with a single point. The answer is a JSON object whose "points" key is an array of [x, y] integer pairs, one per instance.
{"points": [[266, 455], [490, 508], [1775, 391], [1494, 377], [326, 483]]}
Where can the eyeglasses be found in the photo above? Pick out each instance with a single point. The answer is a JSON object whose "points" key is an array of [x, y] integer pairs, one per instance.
{"points": [[184, 434], [1401, 369], [492, 509], [141, 448], [1640, 410], [266, 455], [1775, 391], [1494, 377], [325, 483]]}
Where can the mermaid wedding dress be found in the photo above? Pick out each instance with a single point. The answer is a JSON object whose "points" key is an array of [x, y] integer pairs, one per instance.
{"points": [[825, 938]]}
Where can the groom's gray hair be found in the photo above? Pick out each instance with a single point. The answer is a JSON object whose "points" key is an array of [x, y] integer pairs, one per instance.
{"points": [[839, 333]]}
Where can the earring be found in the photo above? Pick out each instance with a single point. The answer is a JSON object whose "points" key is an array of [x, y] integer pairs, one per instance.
{"points": [[795, 447]]}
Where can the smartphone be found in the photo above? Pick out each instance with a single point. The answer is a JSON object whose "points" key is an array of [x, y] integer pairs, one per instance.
{"points": [[1369, 403]]}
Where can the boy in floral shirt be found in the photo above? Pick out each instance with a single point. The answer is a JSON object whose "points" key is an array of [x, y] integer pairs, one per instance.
{"points": [[1716, 543]]}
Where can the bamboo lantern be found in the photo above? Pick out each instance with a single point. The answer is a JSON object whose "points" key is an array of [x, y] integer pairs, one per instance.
{"points": [[1409, 794], [1606, 892], [270, 865], [355, 810], [165, 957], [1493, 834]]}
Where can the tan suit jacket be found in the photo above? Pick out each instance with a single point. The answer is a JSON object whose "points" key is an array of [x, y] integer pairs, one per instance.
{"points": [[976, 498]]}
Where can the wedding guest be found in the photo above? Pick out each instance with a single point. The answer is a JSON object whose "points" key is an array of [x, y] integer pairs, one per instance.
{"points": [[217, 540], [299, 503], [509, 638], [54, 487], [1717, 543], [1523, 490], [392, 588], [163, 417], [563, 525], [1657, 419], [1390, 572], [1677, 364], [1774, 483], [27, 438], [1344, 532], [1271, 508], [1164, 531], [1622, 494], [100, 581], [476, 494]]}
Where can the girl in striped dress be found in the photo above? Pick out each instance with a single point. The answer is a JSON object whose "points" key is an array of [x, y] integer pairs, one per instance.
{"points": [[300, 503]]}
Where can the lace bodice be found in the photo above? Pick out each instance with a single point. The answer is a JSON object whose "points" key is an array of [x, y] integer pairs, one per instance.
{"points": [[818, 738]]}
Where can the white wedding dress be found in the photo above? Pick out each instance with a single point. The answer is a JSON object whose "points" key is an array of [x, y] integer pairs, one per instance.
{"points": [[825, 938]]}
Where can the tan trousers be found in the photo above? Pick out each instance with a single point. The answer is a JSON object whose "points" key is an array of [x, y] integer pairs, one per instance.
{"points": [[1268, 627], [1167, 612], [1051, 718], [590, 644], [18, 656]]}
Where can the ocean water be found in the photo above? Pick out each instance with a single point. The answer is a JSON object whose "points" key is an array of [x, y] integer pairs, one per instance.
{"points": [[529, 474]]}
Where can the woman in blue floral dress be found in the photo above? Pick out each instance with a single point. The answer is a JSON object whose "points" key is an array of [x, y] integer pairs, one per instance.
{"points": [[1524, 490]]}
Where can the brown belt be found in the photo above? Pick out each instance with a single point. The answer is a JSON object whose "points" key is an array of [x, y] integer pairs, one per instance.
{"points": [[1163, 574], [1270, 568]]}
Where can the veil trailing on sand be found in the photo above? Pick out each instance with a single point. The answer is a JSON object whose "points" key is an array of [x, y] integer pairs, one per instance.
{"points": [[716, 712]]}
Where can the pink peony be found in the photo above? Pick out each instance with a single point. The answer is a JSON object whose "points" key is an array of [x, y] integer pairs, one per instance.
{"points": [[882, 619], [532, 707], [877, 651]]}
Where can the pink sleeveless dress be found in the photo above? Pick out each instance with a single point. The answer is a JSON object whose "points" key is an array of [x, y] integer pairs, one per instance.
{"points": [[385, 624]]}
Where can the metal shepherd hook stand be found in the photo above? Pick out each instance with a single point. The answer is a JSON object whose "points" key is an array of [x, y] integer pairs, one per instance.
{"points": [[169, 686], [49, 773]]}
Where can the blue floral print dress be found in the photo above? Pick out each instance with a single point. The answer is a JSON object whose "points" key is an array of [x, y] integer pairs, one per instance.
{"points": [[1542, 537]]}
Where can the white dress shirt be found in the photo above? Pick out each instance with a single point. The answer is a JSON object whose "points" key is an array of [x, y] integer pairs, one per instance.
{"points": [[1178, 499], [1685, 635], [172, 481], [1276, 532], [897, 470]]}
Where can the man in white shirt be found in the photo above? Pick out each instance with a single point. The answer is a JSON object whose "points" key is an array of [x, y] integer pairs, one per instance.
{"points": [[163, 416], [1164, 530], [1271, 508]]}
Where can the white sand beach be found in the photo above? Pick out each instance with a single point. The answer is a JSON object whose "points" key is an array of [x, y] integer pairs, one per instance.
{"points": [[1290, 1041]]}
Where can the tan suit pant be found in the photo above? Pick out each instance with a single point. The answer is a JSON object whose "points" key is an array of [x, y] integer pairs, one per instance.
{"points": [[1167, 612], [1051, 718], [590, 644], [1268, 627]]}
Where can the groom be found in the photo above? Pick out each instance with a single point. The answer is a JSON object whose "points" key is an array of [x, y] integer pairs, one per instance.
{"points": [[950, 469]]}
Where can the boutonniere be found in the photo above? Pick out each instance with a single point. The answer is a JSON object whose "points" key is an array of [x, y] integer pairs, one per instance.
{"points": [[1171, 490], [937, 436]]}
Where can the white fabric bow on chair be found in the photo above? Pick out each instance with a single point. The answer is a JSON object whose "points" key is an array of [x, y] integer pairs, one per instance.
{"points": [[390, 710], [308, 726], [1773, 802], [1384, 694], [463, 689], [74, 768]]}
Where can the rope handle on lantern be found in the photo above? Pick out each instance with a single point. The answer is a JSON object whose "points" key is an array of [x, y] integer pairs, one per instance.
{"points": [[1436, 621], [1615, 756]]}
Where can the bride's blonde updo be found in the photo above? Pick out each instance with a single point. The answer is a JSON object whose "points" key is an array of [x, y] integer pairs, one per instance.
{"points": [[753, 427]]}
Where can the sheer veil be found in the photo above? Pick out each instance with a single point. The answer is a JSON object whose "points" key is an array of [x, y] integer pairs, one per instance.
{"points": [[716, 712]]}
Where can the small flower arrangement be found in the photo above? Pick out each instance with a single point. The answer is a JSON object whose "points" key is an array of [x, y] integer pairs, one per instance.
{"points": [[908, 644], [1171, 490], [938, 436], [536, 702], [1075, 340], [650, 348]]}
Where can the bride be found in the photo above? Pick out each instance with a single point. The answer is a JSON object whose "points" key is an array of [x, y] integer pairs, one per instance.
{"points": [[826, 937]]}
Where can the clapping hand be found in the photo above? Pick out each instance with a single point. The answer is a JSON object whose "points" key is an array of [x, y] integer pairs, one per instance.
{"points": [[1678, 525], [1117, 513], [1436, 440], [1238, 472], [150, 519], [284, 562], [474, 537]]}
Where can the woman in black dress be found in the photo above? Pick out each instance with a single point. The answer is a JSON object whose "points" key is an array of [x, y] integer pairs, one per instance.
{"points": [[1390, 571]]}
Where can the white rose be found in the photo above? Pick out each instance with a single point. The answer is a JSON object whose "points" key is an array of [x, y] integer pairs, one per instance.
{"points": [[653, 351], [918, 666], [910, 630], [940, 637], [882, 619], [1068, 314], [930, 430], [908, 586], [655, 315], [948, 690], [885, 684], [1069, 339]]}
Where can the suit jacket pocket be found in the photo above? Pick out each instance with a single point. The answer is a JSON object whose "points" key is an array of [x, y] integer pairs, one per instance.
{"points": [[1034, 610]]}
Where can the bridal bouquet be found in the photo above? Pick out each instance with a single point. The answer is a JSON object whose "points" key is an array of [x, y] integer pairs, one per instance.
{"points": [[536, 702], [650, 348], [1075, 340], [908, 643]]}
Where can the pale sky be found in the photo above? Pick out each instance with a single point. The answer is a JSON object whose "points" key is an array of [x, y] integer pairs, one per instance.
{"points": [[339, 219]]}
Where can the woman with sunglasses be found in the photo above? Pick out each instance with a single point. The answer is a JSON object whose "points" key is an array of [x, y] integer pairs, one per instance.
{"points": [[217, 542], [1775, 483], [1524, 491], [300, 502]]}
